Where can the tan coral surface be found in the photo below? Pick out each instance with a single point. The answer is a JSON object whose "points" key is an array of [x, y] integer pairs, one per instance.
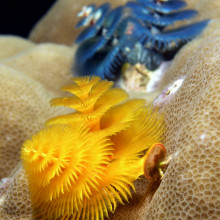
{"points": [[24, 107], [205, 8], [185, 53], [43, 62], [17, 203], [11, 45], [190, 188]]}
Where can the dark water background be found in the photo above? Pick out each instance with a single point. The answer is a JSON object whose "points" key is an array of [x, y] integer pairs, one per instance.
{"points": [[17, 17]]}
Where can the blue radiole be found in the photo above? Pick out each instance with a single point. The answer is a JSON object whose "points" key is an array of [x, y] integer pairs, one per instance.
{"points": [[133, 33]]}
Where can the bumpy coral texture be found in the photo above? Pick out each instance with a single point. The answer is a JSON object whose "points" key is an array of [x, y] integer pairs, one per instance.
{"points": [[44, 62], [186, 52], [193, 176], [206, 8], [24, 107], [86, 162], [17, 203], [22, 101], [190, 187], [11, 45]]}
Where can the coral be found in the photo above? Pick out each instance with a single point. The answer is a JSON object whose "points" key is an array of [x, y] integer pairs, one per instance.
{"points": [[17, 203], [185, 54], [195, 140], [205, 9], [11, 45], [49, 61], [133, 33], [189, 189], [24, 107], [85, 162]]}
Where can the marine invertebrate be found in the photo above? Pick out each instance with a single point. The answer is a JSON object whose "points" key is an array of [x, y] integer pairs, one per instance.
{"points": [[83, 164], [156, 162], [133, 33]]}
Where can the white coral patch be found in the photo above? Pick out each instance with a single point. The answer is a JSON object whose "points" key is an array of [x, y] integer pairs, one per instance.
{"points": [[168, 93], [156, 76]]}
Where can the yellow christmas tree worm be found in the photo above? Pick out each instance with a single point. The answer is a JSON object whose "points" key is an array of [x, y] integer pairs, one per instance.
{"points": [[81, 165]]}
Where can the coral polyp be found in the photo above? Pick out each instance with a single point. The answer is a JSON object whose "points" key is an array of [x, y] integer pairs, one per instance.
{"points": [[82, 165]]}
